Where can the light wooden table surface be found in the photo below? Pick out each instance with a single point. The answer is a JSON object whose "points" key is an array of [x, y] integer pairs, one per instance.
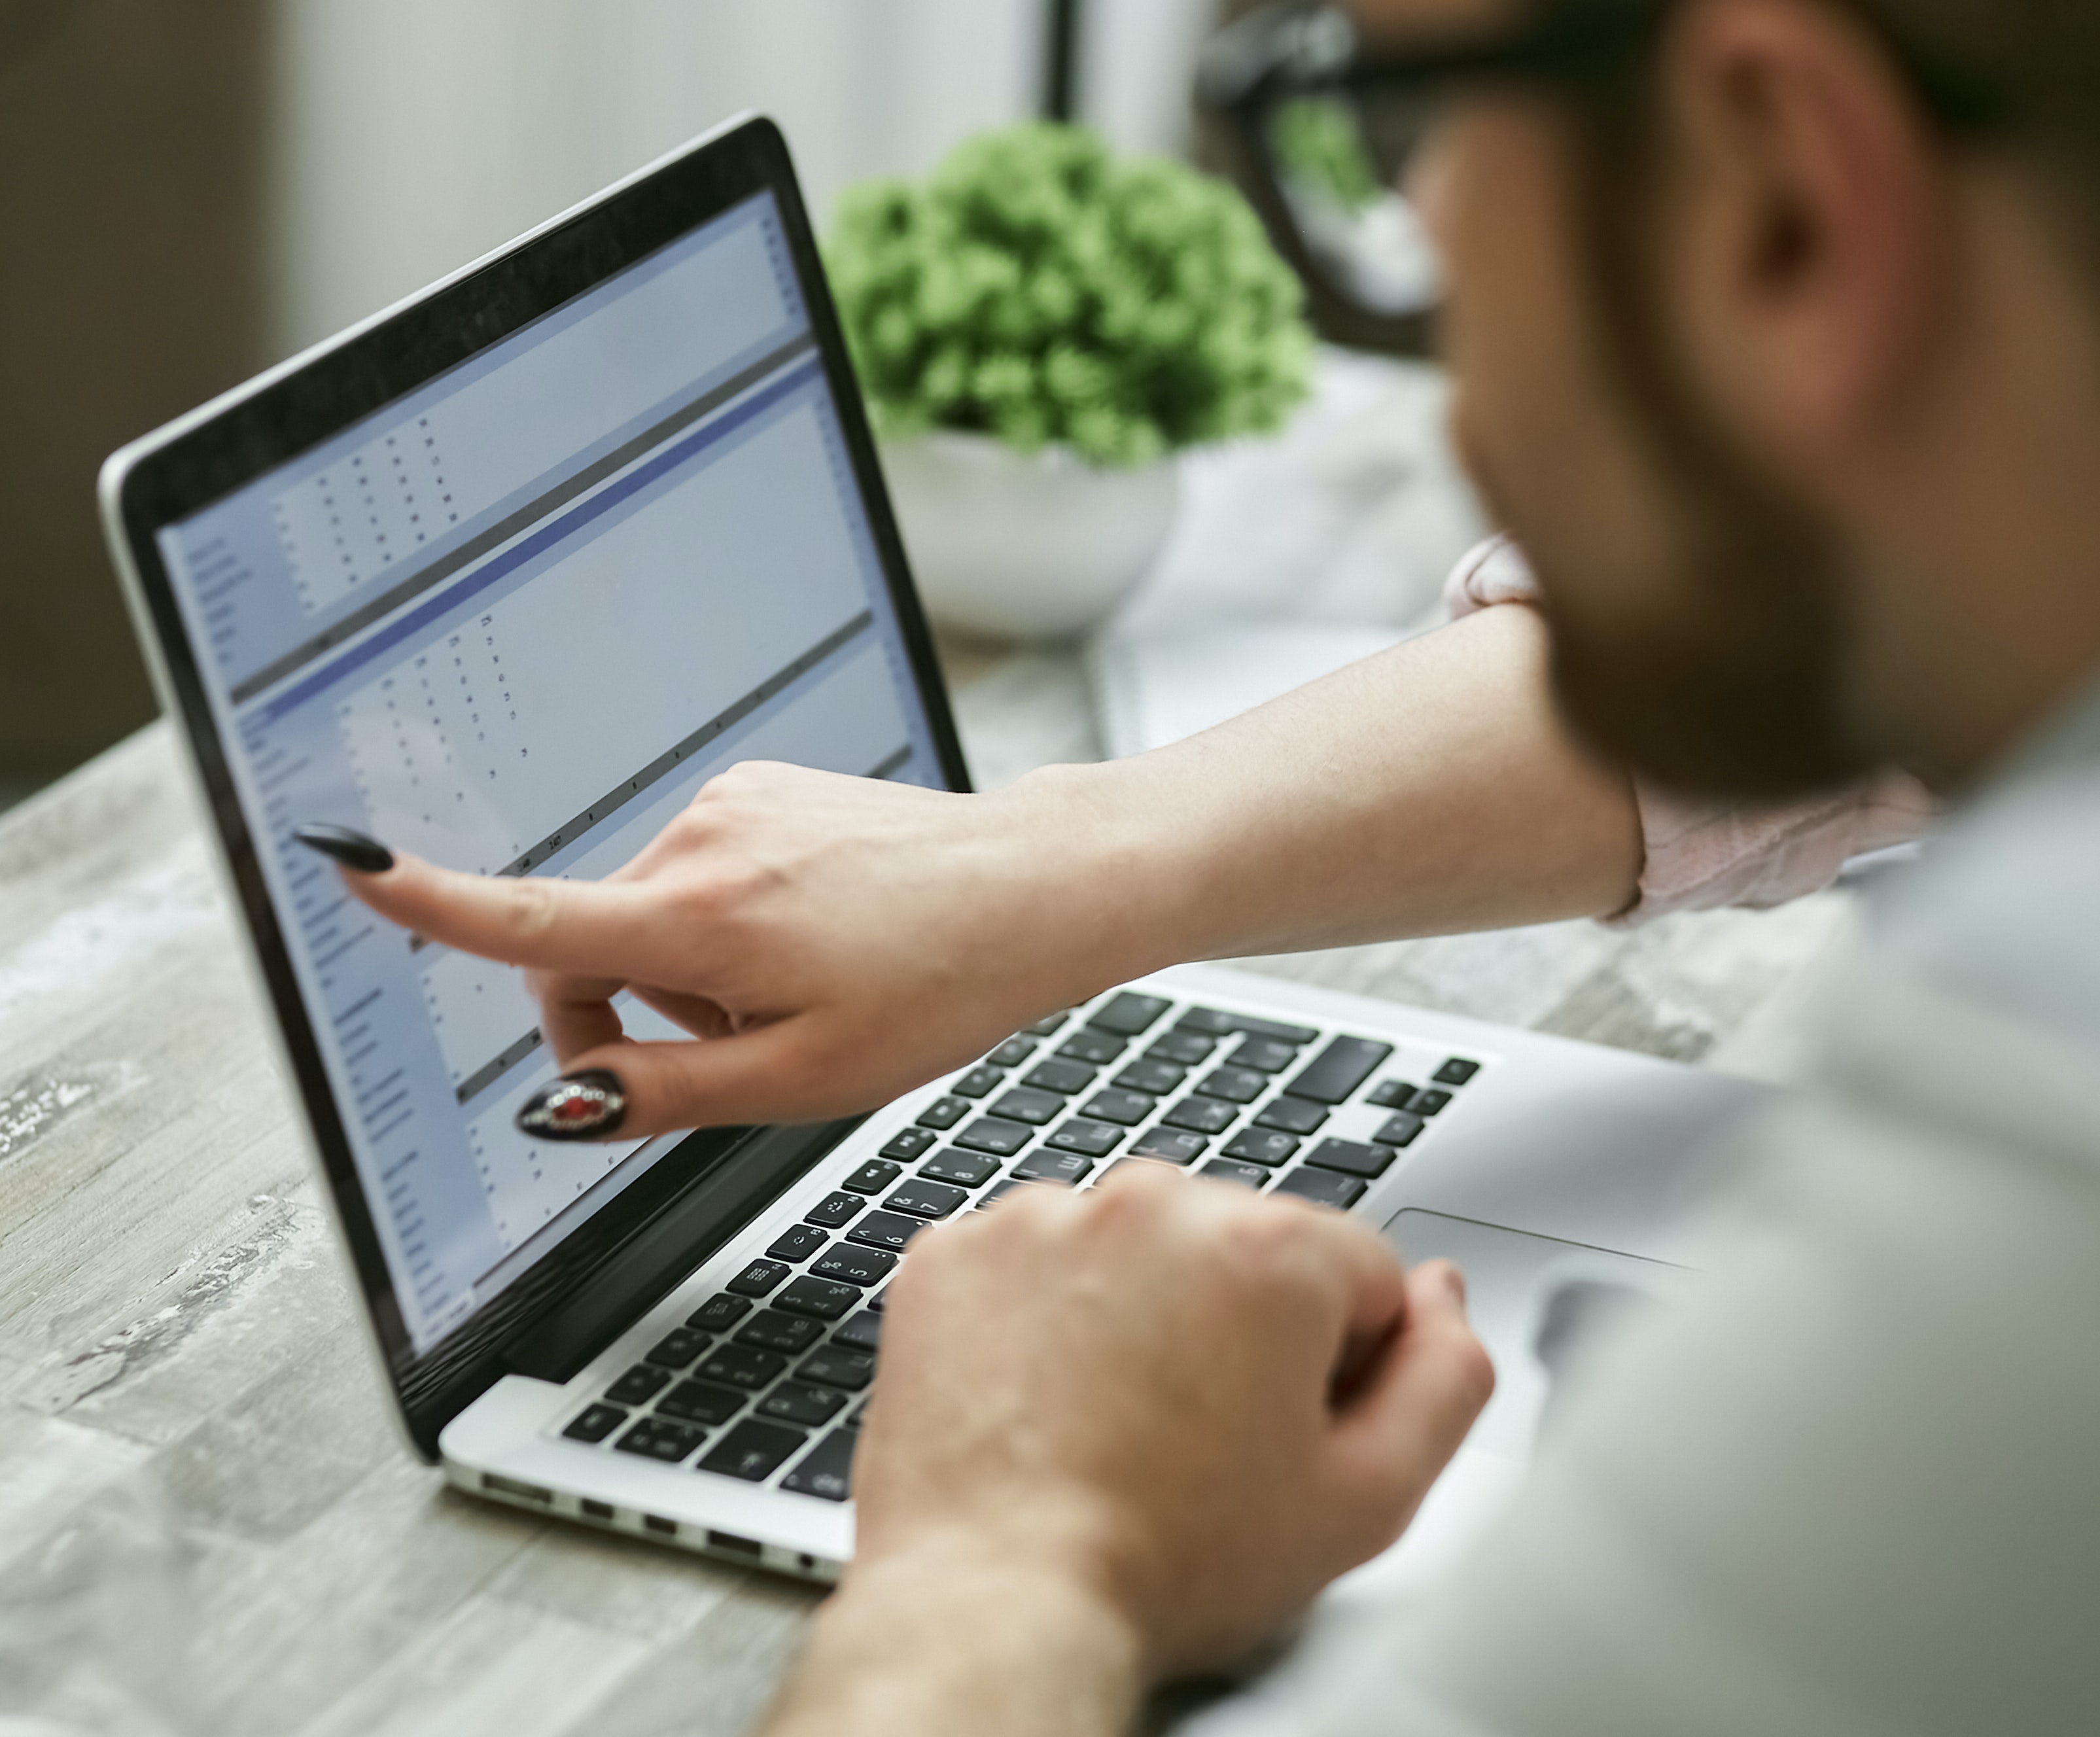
{"points": [[207, 1521]]}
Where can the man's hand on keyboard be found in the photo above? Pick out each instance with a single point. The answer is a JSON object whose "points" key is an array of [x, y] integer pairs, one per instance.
{"points": [[831, 941], [1125, 1432]]}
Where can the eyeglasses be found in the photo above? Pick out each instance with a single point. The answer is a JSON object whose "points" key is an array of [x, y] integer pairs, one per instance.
{"points": [[1323, 127]]}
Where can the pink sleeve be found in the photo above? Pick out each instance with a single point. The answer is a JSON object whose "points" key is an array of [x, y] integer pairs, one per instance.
{"points": [[1704, 855]]}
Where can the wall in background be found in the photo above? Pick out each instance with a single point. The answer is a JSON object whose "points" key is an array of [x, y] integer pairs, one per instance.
{"points": [[413, 134], [131, 141]]}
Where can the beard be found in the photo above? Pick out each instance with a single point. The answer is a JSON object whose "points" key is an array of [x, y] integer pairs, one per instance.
{"points": [[1727, 673], [1726, 676]]}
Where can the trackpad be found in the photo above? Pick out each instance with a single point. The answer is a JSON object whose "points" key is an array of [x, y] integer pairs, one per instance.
{"points": [[1524, 1291]]}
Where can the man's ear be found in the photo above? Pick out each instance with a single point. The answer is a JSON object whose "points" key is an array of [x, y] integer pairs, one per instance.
{"points": [[1812, 231]]}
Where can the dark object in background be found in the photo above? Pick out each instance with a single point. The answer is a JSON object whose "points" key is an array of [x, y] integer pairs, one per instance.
{"points": [[1064, 22], [132, 171]]}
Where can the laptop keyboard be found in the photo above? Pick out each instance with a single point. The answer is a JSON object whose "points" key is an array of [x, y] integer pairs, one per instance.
{"points": [[774, 1371]]}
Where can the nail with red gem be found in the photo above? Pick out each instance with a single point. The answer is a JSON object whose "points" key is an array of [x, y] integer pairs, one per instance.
{"points": [[587, 1105]]}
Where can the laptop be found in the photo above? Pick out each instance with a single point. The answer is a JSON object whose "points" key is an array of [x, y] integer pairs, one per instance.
{"points": [[502, 575]]}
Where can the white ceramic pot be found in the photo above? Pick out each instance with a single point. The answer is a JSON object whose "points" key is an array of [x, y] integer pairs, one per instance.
{"points": [[1021, 545]]}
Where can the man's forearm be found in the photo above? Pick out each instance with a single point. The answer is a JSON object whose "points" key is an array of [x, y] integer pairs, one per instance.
{"points": [[1431, 789], [943, 1647]]}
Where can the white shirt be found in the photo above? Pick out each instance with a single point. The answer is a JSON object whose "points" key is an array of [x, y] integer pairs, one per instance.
{"points": [[1852, 1484]]}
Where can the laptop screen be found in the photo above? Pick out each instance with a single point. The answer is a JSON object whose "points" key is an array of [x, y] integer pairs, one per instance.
{"points": [[511, 622]]}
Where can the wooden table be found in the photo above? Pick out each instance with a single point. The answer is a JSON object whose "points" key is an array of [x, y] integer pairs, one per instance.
{"points": [[207, 1521]]}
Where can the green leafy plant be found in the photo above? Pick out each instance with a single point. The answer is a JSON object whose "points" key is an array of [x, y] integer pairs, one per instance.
{"points": [[1040, 289]]}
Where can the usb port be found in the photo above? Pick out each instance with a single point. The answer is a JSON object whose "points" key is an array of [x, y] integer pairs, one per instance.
{"points": [[502, 1486], [729, 1541]]}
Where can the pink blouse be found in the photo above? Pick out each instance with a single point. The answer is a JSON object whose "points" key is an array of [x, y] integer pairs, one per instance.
{"points": [[1701, 855]]}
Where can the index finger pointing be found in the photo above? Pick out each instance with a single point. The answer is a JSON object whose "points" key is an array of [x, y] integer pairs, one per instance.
{"points": [[584, 927]]}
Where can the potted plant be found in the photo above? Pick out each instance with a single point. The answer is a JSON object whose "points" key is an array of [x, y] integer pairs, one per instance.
{"points": [[1040, 327]]}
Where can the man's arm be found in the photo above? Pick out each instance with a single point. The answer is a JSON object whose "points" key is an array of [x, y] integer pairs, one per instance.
{"points": [[1121, 1433], [789, 915]]}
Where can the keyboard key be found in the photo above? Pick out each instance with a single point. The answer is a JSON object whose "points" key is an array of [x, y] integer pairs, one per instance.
{"points": [[1128, 1013], [1047, 1025], [976, 1082], [1090, 1139], [1086, 1044], [1063, 1077], [943, 1113], [874, 1176], [1157, 1077], [1338, 1070], [595, 1422], [1427, 1103], [1043, 1166], [820, 1299], [753, 1451], [1329, 1188], [636, 1385], [793, 1403], [989, 1133], [1025, 1104], [1128, 1108], [758, 1278], [924, 1199], [826, 1470], [860, 1267], [677, 1348], [742, 1365], [1390, 1094], [1263, 1055], [770, 1330], [1455, 1072], [835, 1209], [1011, 1053], [719, 1314], [698, 1403], [1185, 1048], [798, 1242], [1398, 1129], [879, 1301], [952, 1165], [1234, 1085], [1291, 1115], [851, 1370], [862, 1333], [1353, 1156], [998, 1192], [853, 1417], [1201, 1115], [888, 1230], [1217, 1022], [1231, 1170], [1165, 1143], [908, 1144], [1260, 1146], [1129, 1161], [659, 1439]]}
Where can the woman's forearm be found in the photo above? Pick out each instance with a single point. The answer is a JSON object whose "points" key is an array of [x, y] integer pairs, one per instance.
{"points": [[1429, 790]]}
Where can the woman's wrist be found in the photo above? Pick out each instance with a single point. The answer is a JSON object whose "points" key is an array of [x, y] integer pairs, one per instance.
{"points": [[1100, 900]]}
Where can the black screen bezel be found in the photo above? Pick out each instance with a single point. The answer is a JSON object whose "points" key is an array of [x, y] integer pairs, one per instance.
{"points": [[718, 1175]]}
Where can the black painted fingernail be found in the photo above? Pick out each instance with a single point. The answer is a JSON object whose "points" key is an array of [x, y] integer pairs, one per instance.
{"points": [[588, 1106], [353, 850]]}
